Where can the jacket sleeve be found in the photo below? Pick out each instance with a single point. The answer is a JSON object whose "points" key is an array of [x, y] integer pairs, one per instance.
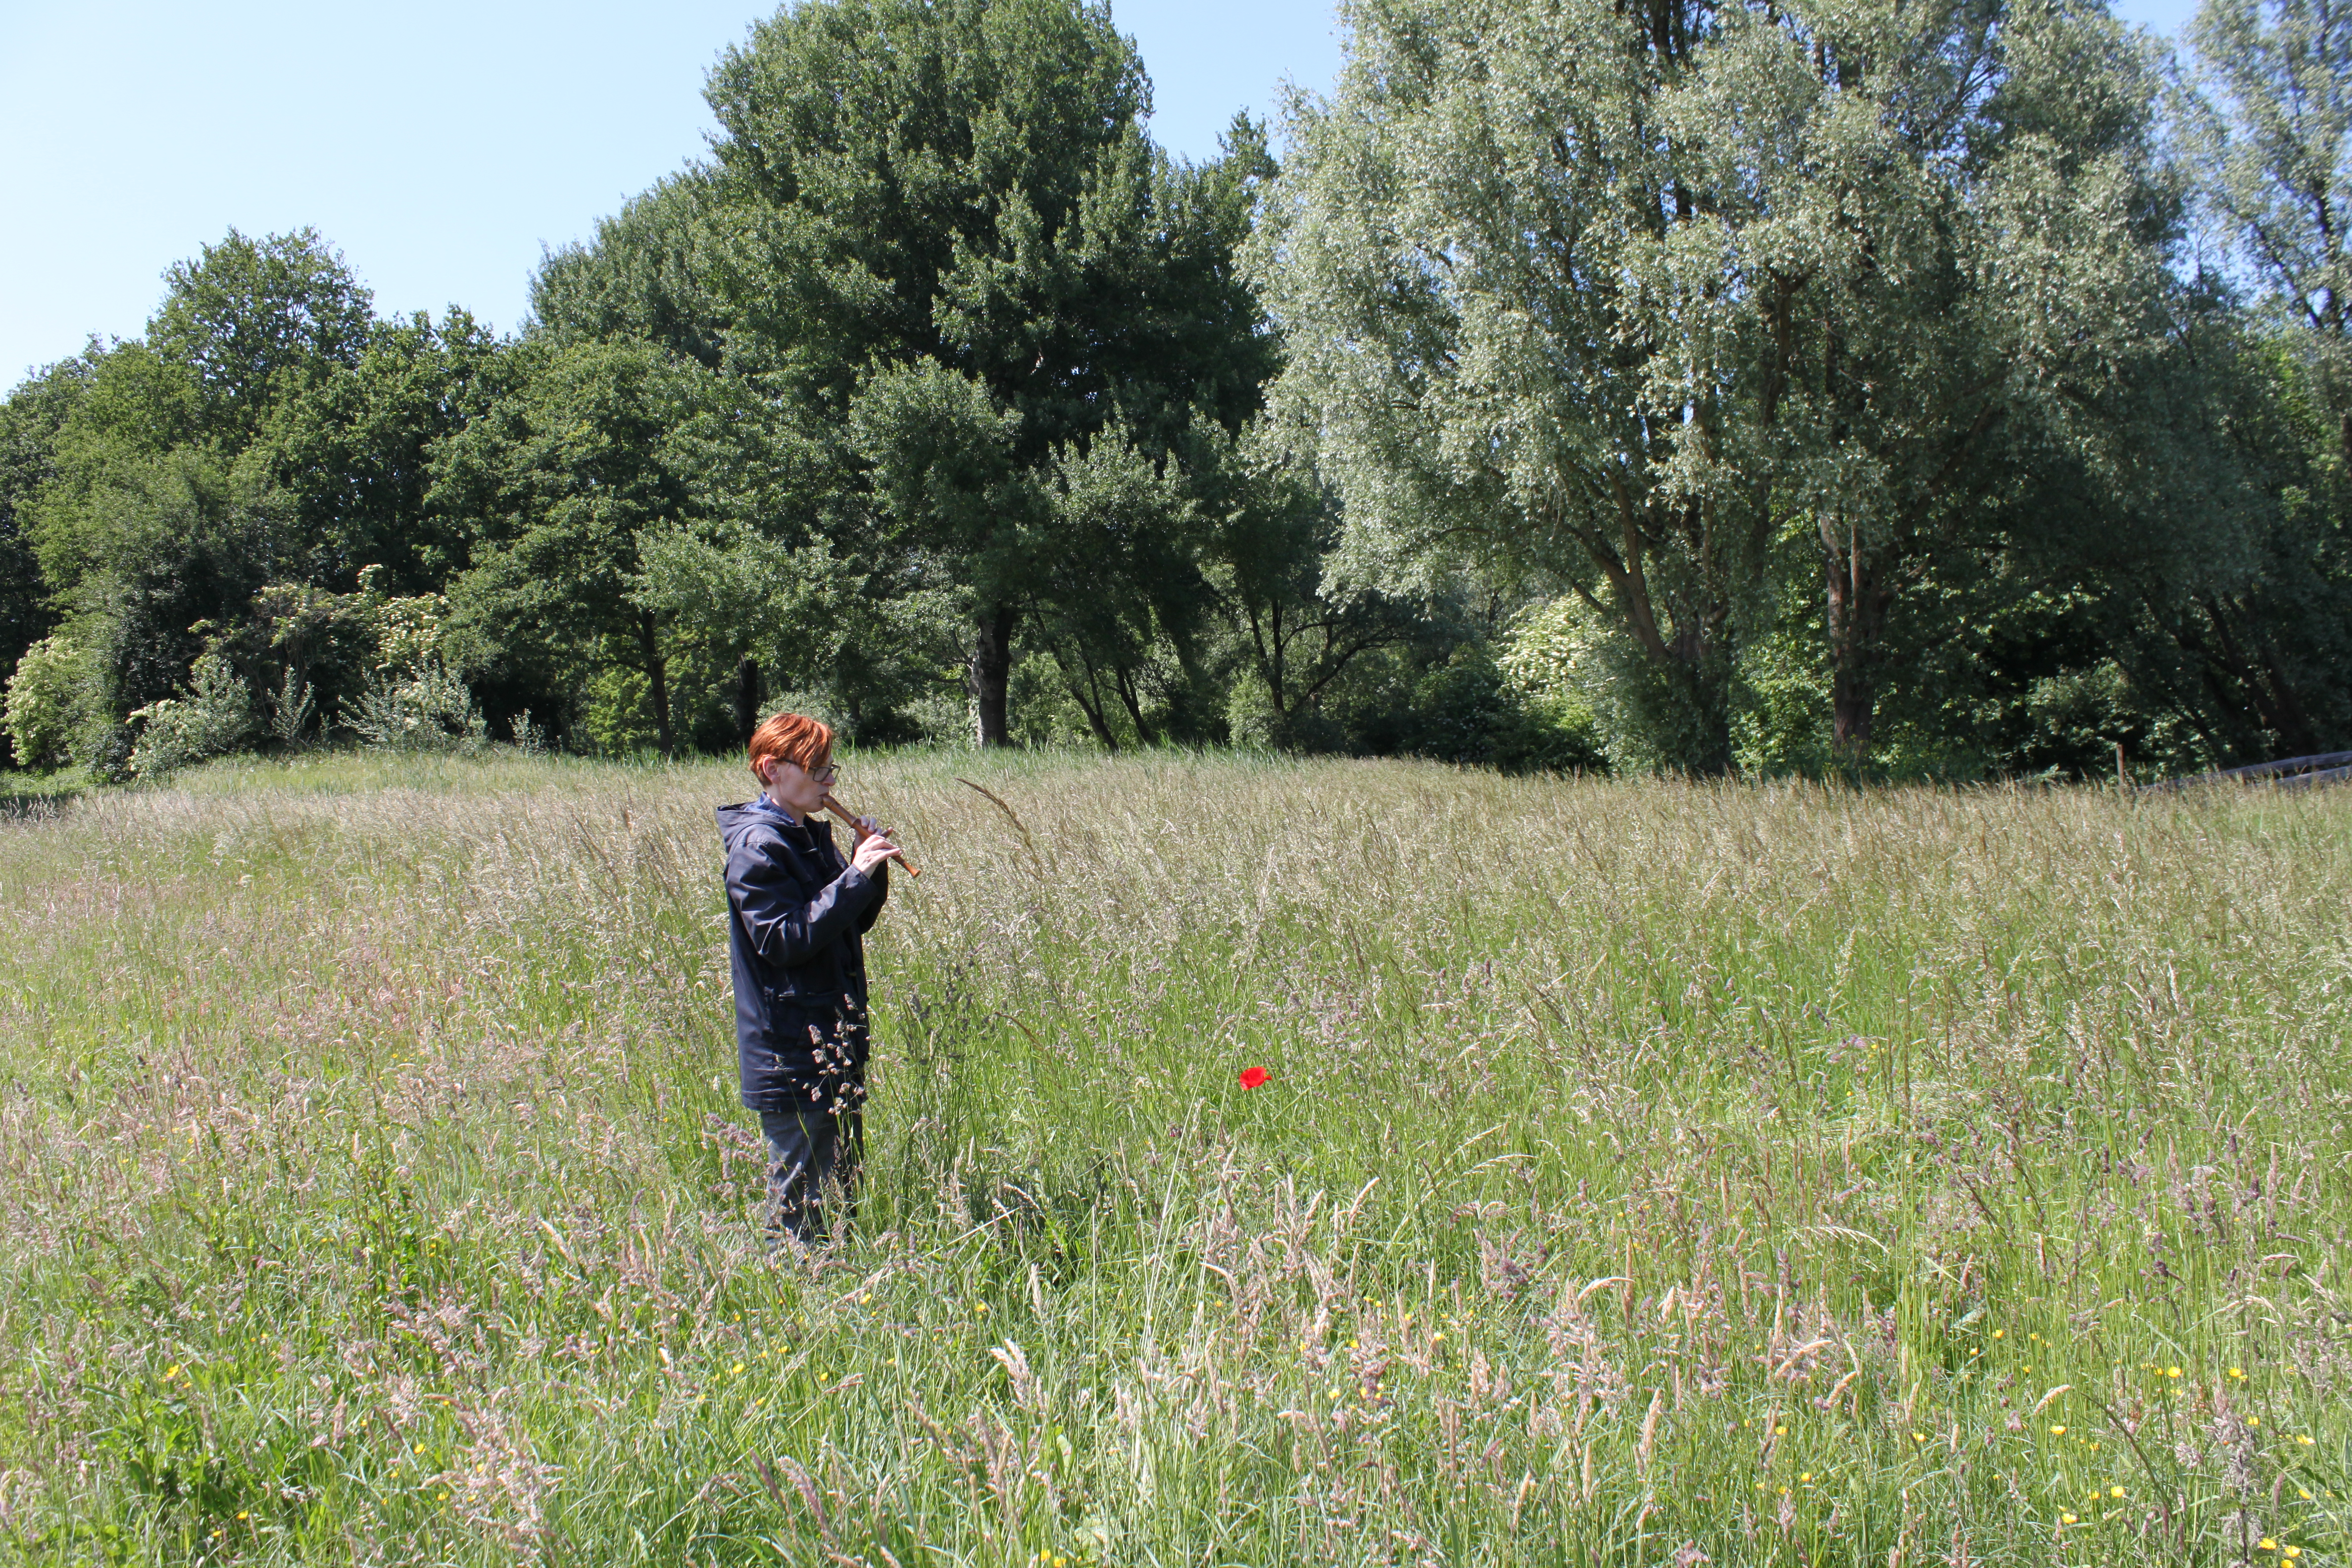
{"points": [[881, 880], [787, 925]]}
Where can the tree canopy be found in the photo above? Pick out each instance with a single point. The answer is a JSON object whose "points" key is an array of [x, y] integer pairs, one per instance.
{"points": [[1948, 390]]}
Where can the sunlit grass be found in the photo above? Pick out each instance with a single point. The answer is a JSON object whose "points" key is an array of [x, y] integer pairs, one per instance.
{"points": [[1642, 1169]]}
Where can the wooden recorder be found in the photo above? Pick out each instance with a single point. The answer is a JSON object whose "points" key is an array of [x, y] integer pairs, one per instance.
{"points": [[848, 818]]}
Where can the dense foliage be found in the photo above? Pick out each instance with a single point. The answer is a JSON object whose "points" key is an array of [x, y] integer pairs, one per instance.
{"points": [[1953, 390]]}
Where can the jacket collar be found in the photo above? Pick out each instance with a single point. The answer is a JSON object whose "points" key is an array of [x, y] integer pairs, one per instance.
{"points": [[768, 810]]}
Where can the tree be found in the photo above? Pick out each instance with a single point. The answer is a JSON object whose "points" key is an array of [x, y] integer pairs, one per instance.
{"points": [[1276, 530], [950, 234], [29, 422], [1622, 295], [256, 323], [354, 453], [1455, 255], [593, 446], [159, 516], [2271, 130], [1121, 587], [649, 274], [2268, 123]]}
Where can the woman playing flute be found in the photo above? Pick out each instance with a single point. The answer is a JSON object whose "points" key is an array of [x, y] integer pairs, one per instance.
{"points": [[798, 914]]}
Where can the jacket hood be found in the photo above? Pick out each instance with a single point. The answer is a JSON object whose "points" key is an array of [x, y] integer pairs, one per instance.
{"points": [[736, 822]]}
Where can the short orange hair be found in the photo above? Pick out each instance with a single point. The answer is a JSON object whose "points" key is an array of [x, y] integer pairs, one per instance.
{"points": [[792, 738]]}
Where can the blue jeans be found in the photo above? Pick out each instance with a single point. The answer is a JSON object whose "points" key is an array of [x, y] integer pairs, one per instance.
{"points": [[812, 1158]]}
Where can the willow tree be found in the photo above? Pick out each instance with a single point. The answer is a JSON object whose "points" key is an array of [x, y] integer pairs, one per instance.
{"points": [[2269, 128], [1641, 297], [1934, 270], [1456, 253], [2272, 130]]}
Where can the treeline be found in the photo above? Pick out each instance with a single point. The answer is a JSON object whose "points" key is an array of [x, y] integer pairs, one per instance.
{"points": [[1942, 390]]}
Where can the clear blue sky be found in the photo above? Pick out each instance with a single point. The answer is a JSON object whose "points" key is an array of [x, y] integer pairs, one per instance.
{"points": [[440, 145]]}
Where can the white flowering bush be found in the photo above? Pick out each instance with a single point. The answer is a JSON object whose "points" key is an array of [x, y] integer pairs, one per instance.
{"points": [[212, 715], [426, 708], [40, 710]]}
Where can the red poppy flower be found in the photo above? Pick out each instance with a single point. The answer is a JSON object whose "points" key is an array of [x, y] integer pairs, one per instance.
{"points": [[1253, 1077]]}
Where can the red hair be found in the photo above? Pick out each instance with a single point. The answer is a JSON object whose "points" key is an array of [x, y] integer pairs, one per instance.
{"points": [[792, 738]]}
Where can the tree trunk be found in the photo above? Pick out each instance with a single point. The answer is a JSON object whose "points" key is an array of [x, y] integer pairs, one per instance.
{"points": [[747, 700], [1088, 695], [657, 674], [990, 673], [2276, 707], [1134, 705], [1266, 639], [1857, 601]]}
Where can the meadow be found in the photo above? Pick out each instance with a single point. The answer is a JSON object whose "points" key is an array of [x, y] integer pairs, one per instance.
{"points": [[1646, 1173]]}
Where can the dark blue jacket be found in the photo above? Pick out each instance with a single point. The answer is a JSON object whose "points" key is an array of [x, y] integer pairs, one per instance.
{"points": [[796, 912]]}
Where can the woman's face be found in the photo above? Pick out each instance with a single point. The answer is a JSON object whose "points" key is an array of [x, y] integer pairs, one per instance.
{"points": [[797, 789]]}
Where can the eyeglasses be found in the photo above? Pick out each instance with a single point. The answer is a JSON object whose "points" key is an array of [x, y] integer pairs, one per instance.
{"points": [[827, 775]]}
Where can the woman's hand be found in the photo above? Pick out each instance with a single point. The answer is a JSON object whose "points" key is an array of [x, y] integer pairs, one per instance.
{"points": [[872, 848]]}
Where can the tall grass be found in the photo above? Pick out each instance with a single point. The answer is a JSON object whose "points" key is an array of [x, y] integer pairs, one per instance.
{"points": [[1648, 1172]]}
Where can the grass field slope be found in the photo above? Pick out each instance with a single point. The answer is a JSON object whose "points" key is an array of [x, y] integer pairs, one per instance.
{"points": [[1645, 1172]]}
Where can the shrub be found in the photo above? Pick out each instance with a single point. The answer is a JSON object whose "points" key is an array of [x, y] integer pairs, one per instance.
{"points": [[40, 707], [426, 708], [292, 708], [1468, 709], [213, 714]]}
